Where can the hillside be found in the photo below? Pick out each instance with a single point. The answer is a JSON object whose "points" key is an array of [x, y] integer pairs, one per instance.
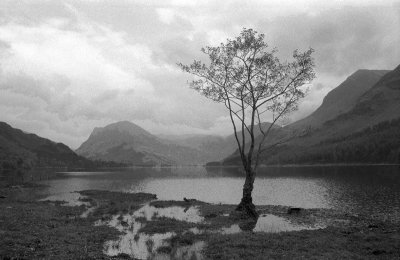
{"points": [[24, 150], [345, 135], [342, 98], [380, 103], [377, 144]]}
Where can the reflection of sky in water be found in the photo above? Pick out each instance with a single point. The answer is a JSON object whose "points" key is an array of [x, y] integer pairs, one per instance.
{"points": [[375, 189], [132, 242], [270, 224], [140, 245], [274, 224], [189, 214]]}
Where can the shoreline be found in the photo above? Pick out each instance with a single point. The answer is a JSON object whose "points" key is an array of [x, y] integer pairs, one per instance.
{"points": [[47, 229]]}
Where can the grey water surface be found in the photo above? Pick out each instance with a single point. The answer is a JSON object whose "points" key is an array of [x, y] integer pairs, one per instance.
{"points": [[355, 189]]}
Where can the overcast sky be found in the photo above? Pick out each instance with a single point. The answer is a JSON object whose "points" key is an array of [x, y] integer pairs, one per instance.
{"points": [[69, 66]]}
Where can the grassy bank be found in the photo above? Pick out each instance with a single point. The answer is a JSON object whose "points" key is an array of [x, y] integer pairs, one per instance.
{"points": [[32, 229]]}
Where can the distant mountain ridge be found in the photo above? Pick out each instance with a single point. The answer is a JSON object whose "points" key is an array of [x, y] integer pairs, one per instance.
{"points": [[122, 142], [129, 143]]}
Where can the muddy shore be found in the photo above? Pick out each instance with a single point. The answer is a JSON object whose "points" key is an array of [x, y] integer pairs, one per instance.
{"points": [[113, 225]]}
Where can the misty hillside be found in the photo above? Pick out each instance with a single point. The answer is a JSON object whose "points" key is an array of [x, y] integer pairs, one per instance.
{"points": [[367, 127], [129, 143], [217, 147], [23, 150]]}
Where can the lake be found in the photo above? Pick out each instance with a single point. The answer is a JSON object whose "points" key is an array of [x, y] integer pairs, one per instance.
{"points": [[371, 189]]}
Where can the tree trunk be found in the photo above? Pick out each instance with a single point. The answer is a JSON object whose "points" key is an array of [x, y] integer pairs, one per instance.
{"points": [[246, 204]]}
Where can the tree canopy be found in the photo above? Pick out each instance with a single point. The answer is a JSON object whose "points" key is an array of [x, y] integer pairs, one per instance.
{"points": [[250, 80]]}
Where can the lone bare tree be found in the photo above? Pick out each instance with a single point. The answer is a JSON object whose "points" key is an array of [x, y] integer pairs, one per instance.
{"points": [[250, 80]]}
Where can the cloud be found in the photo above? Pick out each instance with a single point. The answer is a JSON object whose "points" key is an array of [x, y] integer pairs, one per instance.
{"points": [[345, 39], [166, 15], [67, 67], [63, 74]]}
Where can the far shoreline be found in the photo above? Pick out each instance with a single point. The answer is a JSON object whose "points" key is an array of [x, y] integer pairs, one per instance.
{"points": [[212, 166]]}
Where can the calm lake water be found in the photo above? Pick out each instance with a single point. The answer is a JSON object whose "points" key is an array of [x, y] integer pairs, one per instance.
{"points": [[356, 189]]}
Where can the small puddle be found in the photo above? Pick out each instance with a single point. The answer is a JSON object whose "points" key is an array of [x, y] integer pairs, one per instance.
{"points": [[274, 224], [72, 199], [137, 245], [86, 213], [69, 198], [268, 224], [144, 246]]}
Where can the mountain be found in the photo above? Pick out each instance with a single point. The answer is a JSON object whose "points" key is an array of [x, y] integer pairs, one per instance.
{"points": [[358, 122], [128, 143], [23, 150], [378, 104], [379, 143], [342, 98]]}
